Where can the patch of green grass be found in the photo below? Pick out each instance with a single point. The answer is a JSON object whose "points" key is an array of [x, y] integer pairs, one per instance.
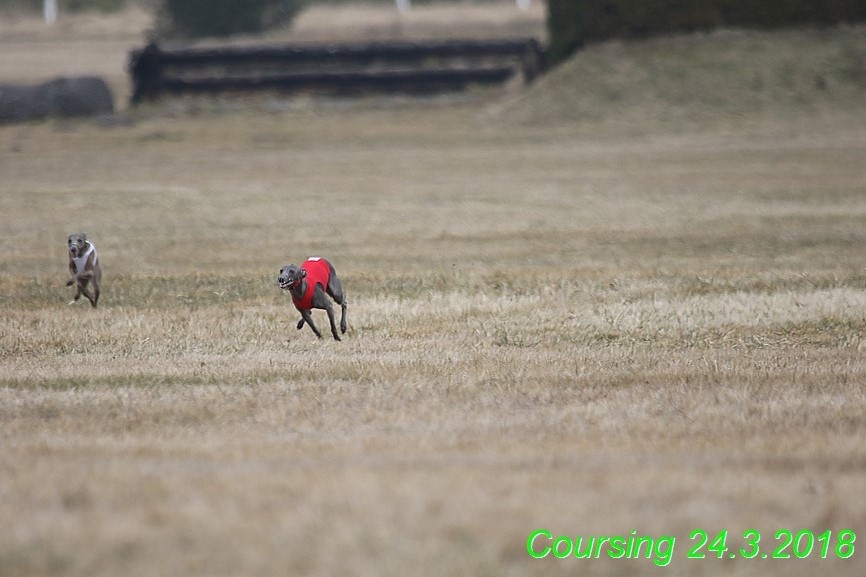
{"points": [[723, 78]]}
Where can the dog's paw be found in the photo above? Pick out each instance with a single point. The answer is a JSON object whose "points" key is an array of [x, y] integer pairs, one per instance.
{"points": [[300, 324], [70, 282], [72, 302]]}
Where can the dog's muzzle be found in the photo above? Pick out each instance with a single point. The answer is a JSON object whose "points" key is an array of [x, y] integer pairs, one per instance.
{"points": [[286, 283]]}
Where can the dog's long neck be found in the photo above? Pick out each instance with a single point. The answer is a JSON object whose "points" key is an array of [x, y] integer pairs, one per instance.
{"points": [[299, 290], [81, 260]]}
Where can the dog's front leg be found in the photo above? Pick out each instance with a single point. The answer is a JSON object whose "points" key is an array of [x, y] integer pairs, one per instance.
{"points": [[73, 280], [308, 318], [73, 273], [77, 295], [80, 278]]}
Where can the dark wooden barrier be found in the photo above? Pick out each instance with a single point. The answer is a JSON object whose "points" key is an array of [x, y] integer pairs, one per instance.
{"points": [[416, 67]]}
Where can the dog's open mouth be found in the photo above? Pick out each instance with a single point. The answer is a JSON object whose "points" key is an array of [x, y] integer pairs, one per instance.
{"points": [[287, 283]]}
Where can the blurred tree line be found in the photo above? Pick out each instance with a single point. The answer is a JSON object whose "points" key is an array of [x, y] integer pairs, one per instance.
{"points": [[223, 17], [572, 23], [192, 18], [199, 18], [71, 5]]}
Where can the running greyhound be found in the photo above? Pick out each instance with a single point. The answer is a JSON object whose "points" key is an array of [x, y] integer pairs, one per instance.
{"points": [[84, 267], [309, 286]]}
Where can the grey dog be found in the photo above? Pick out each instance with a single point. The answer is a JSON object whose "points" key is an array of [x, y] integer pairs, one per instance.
{"points": [[310, 285], [84, 267]]}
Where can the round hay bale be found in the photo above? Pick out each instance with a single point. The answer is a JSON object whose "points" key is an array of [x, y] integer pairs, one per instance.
{"points": [[61, 97]]}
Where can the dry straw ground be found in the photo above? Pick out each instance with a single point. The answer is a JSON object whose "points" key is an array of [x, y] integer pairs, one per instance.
{"points": [[587, 328]]}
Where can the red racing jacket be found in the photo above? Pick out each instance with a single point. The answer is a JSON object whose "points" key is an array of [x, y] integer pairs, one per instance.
{"points": [[318, 272]]}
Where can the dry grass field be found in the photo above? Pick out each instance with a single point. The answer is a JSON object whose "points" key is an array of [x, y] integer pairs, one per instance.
{"points": [[584, 327]]}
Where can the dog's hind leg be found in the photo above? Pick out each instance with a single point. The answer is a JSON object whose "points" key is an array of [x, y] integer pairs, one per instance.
{"points": [[342, 304], [340, 299], [335, 289], [91, 297], [97, 277], [330, 310]]}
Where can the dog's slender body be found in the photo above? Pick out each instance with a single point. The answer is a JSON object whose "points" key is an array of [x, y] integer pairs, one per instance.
{"points": [[310, 286], [84, 268]]}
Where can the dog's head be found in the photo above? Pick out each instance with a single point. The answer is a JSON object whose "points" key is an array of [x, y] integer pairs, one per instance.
{"points": [[77, 244], [290, 276]]}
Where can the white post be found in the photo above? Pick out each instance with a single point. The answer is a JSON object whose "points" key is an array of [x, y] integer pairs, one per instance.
{"points": [[49, 10], [523, 4], [404, 5]]}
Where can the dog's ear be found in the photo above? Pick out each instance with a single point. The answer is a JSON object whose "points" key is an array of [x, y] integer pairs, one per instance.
{"points": [[303, 273], [83, 236]]}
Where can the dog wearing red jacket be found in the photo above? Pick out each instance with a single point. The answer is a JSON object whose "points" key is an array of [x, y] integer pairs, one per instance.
{"points": [[310, 285]]}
